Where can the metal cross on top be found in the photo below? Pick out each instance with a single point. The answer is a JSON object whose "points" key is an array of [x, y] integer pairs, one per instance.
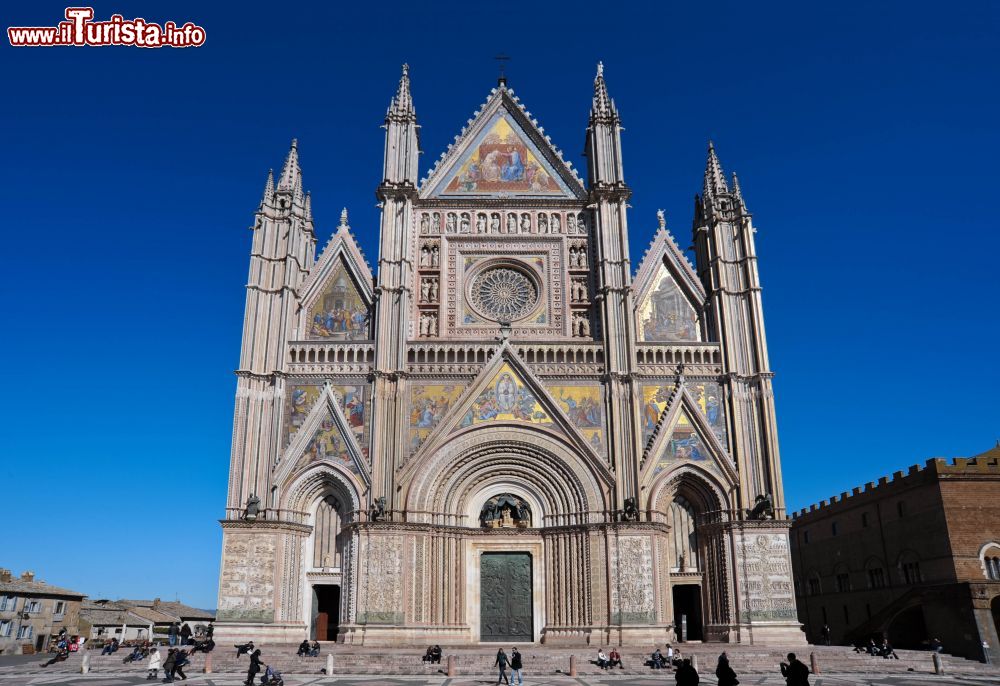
{"points": [[502, 58]]}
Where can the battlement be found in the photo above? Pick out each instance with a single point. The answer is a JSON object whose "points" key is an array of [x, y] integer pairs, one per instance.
{"points": [[987, 463]]}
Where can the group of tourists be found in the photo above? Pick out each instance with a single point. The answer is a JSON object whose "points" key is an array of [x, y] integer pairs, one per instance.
{"points": [[794, 671], [307, 649], [515, 664], [883, 649]]}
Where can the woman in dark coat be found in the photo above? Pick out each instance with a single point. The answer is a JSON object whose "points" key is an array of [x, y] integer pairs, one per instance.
{"points": [[168, 666], [254, 667], [724, 673]]}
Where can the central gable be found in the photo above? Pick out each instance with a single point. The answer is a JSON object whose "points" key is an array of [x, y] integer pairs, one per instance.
{"points": [[502, 154]]}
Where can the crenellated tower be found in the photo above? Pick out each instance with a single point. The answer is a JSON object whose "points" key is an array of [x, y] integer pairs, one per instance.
{"points": [[282, 252]]}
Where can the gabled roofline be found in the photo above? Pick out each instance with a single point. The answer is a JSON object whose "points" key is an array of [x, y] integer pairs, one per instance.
{"points": [[503, 96]]}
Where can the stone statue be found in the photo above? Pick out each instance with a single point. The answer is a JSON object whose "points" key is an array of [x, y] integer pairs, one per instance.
{"points": [[495, 223], [763, 508], [543, 224], [630, 513], [435, 256], [425, 223], [511, 223], [450, 224], [425, 256], [252, 510], [570, 223], [556, 224], [377, 512], [465, 223], [434, 290], [425, 290], [525, 223]]}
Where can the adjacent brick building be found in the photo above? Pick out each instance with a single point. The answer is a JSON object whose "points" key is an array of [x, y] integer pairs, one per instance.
{"points": [[915, 557]]}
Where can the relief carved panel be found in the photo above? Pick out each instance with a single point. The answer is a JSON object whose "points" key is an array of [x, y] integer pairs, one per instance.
{"points": [[766, 589], [632, 583], [383, 580], [246, 591]]}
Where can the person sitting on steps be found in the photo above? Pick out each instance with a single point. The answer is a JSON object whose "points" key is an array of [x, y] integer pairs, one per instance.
{"points": [[303, 649], [602, 659]]}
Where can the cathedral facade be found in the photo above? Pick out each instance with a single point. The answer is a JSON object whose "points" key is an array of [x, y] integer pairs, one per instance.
{"points": [[509, 432]]}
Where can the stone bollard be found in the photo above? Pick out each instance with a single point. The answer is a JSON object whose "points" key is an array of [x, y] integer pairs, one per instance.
{"points": [[694, 661], [329, 664], [813, 663], [208, 663], [451, 666], [572, 665], [85, 663], [938, 664]]}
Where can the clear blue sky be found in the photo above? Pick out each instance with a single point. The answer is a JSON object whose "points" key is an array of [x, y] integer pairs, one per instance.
{"points": [[865, 136]]}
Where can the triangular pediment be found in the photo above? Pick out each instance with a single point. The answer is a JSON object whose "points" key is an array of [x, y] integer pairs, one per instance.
{"points": [[326, 435], [337, 295], [507, 393], [685, 436], [668, 295], [502, 153]]}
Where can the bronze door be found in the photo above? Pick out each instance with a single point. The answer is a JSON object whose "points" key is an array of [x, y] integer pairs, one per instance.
{"points": [[505, 597]]}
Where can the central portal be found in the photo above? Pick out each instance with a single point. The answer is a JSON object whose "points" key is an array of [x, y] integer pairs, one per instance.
{"points": [[505, 597]]}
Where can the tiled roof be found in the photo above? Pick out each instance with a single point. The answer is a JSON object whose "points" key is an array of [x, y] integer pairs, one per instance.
{"points": [[17, 586], [101, 617], [178, 611], [155, 616]]}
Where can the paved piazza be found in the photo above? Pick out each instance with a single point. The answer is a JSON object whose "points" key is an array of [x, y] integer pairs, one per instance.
{"points": [[236, 680]]}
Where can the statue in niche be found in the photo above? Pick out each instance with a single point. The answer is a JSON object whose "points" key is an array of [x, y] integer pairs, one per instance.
{"points": [[252, 509], [556, 224], [511, 223], [465, 223], [425, 223], [377, 511], [505, 511], [763, 508], [450, 223], [630, 512], [436, 222], [495, 223], [570, 223], [435, 256], [543, 224], [525, 223], [481, 223], [425, 256]]}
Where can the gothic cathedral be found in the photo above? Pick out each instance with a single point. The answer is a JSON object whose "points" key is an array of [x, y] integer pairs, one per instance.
{"points": [[506, 433]]}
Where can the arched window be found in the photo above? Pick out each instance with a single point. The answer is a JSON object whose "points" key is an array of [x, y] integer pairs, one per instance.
{"points": [[683, 535], [989, 555], [815, 584], [909, 568], [327, 523], [875, 573]]}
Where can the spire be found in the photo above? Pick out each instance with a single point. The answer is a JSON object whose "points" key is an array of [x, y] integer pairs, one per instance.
{"points": [[402, 102], [291, 174], [268, 189], [344, 226], [738, 193], [603, 105], [715, 180]]}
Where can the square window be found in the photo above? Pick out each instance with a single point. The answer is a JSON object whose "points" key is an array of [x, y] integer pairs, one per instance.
{"points": [[60, 607], [25, 631], [5, 627]]}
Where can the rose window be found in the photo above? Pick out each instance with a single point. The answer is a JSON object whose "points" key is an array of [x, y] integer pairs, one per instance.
{"points": [[504, 294]]}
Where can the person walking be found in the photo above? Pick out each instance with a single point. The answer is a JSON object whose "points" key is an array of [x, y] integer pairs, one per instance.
{"points": [[254, 667], [501, 663], [515, 667], [795, 673], [825, 634], [180, 661], [172, 634], [686, 674], [168, 666], [154, 663], [724, 673]]}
